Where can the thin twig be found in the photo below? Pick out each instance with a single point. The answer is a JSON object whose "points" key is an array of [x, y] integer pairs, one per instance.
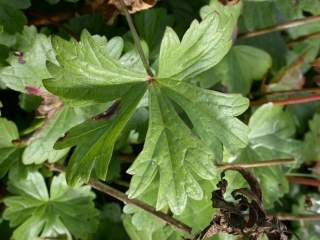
{"points": [[288, 101], [304, 181], [280, 27], [136, 39], [301, 217], [311, 36], [297, 91], [57, 23], [123, 197], [257, 164], [43, 19], [101, 187]]}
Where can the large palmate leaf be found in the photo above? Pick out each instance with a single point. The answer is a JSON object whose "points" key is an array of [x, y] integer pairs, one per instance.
{"points": [[90, 72], [270, 137], [65, 211], [173, 156], [240, 67], [8, 151]]}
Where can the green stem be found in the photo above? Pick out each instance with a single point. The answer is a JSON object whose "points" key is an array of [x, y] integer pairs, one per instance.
{"points": [[267, 163], [136, 39]]}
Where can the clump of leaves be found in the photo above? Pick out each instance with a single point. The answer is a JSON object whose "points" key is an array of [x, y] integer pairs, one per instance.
{"points": [[36, 212]]}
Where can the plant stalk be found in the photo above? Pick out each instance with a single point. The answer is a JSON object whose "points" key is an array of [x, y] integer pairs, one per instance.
{"points": [[136, 39], [101, 187], [267, 163], [280, 27]]}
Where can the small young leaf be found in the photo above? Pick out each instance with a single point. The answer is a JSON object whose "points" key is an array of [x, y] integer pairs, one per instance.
{"points": [[65, 211], [240, 67]]}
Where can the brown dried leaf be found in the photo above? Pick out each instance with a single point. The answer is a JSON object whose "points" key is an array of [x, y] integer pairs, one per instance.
{"points": [[50, 103], [289, 78], [245, 215], [110, 9]]}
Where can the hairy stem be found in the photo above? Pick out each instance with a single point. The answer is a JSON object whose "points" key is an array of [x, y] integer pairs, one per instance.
{"points": [[280, 27], [136, 39], [101, 187], [257, 164]]}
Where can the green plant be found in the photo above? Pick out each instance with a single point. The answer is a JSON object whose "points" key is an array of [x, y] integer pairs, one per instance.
{"points": [[158, 106]]}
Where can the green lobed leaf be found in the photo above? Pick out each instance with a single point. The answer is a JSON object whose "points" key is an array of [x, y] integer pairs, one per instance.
{"points": [[240, 67], [90, 71], [28, 66], [171, 147], [270, 138], [211, 112], [95, 139], [35, 212], [41, 144], [168, 153], [202, 46]]}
